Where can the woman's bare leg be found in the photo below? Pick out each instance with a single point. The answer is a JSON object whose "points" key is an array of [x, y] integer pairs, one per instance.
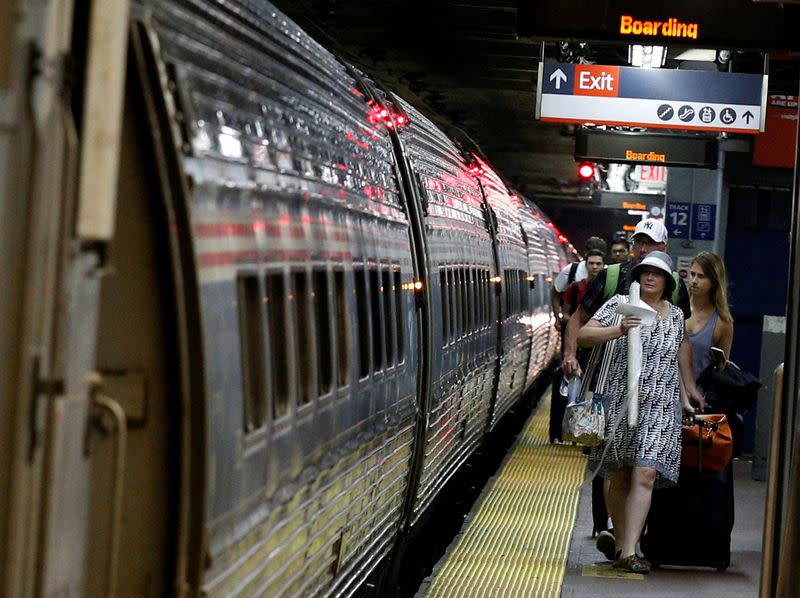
{"points": [[618, 491], [636, 507]]}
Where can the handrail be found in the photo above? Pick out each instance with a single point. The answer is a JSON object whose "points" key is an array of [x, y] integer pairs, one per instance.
{"points": [[771, 512], [788, 575], [114, 409]]}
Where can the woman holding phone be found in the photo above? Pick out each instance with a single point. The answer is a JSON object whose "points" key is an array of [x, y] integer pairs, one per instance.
{"points": [[711, 323]]}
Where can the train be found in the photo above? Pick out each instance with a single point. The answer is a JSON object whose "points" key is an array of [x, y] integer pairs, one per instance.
{"points": [[310, 306]]}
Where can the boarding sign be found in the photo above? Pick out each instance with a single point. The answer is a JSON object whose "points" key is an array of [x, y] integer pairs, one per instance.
{"points": [[653, 98], [707, 24]]}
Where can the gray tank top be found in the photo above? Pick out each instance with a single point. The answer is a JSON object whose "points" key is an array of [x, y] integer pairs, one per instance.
{"points": [[702, 341]]}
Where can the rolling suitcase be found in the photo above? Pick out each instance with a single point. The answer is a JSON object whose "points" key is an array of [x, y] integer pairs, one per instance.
{"points": [[691, 523]]}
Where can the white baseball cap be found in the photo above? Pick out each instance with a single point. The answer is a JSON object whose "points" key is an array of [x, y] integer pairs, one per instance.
{"points": [[653, 228]]}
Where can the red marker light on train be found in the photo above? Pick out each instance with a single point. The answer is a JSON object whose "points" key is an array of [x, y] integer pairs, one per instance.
{"points": [[586, 171], [401, 120]]}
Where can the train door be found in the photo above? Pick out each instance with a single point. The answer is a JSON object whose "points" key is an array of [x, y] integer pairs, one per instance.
{"points": [[135, 476], [58, 179]]}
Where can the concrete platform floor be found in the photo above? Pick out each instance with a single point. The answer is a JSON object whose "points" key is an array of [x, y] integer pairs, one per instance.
{"points": [[589, 574]]}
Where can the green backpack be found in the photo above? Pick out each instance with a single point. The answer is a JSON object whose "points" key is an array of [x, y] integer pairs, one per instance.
{"points": [[612, 278]]}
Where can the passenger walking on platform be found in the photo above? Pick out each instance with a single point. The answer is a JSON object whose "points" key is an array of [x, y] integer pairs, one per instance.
{"points": [[572, 297], [620, 251], [711, 324], [648, 455], [650, 235], [573, 272]]}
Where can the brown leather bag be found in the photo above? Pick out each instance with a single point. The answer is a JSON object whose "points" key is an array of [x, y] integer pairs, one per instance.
{"points": [[707, 442]]}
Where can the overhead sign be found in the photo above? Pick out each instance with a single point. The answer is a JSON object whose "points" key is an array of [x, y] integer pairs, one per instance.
{"points": [[678, 219], [653, 98], [707, 24], [639, 148], [627, 201]]}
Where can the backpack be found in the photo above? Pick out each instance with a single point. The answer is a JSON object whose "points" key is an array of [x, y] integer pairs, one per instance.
{"points": [[572, 271], [612, 279]]}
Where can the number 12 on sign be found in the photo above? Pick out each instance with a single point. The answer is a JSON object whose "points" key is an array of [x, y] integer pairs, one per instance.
{"points": [[678, 219]]}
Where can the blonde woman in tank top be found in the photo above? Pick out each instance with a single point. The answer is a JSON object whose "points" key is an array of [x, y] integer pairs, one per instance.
{"points": [[711, 323]]}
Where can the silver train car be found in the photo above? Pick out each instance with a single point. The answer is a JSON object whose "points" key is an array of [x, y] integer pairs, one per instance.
{"points": [[311, 309]]}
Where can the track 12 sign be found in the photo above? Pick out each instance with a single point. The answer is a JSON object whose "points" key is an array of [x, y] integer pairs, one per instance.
{"points": [[678, 219]]}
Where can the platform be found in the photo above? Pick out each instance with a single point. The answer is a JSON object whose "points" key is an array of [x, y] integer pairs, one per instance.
{"points": [[529, 534]]}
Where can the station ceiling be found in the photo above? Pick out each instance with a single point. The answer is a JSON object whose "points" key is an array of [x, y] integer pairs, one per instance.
{"points": [[461, 62]]}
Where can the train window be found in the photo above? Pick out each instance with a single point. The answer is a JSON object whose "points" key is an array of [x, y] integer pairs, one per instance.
{"points": [[525, 291], [481, 298], [388, 320], [487, 293], [322, 321], [399, 312], [474, 322], [459, 311], [302, 326], [375, 305], [342, 329], [279, 370], [251, 336], [360, 275], [465, 300], [507, 289], [445, 306], [451, 303]]}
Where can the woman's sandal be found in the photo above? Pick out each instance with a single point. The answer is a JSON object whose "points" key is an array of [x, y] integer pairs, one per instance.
{"points": [[632, 564]]}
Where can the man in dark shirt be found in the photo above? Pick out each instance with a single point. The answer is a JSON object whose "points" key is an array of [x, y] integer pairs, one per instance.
{"points": [[650, 235]]}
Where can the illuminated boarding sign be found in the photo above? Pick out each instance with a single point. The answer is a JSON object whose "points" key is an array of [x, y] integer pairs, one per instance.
{"points": [[652, 98], [695, 151], [707, 23], [629, 25]]}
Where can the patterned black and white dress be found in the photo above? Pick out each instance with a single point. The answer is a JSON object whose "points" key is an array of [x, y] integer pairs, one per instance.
{"points": [[655, 441]]}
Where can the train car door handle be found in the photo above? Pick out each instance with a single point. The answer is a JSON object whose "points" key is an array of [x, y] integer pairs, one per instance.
{"points": [[116, 424]]}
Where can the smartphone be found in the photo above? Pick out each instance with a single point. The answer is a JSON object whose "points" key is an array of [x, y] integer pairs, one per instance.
{"points": [[717, 355]]}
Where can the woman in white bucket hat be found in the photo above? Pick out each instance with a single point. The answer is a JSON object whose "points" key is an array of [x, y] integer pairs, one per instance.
{"points": [[647, 455]]}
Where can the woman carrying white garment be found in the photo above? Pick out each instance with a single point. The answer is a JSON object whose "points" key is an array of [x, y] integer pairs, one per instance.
{"points": [[648, 455]]}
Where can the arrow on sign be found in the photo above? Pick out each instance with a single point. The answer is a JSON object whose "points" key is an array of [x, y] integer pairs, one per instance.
{"points": [[559, 76], [747, 116]]}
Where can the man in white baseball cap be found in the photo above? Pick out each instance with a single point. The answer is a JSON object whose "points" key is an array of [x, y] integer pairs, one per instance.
{"points": [[653, 228], [649, 235]]}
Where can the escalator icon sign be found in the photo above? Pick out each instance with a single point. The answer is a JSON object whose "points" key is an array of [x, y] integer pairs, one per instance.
{"points": [[686, 113]]}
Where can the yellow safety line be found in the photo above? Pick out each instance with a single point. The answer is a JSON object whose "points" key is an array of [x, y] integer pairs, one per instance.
{"points": [[516, 540]]}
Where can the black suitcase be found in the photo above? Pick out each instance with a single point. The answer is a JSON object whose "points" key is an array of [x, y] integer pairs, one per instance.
{"points": [[691, 523], [558, 404]]}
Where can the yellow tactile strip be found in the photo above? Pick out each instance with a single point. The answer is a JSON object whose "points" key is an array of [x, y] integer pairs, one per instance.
{"points": [[516, 539]]}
